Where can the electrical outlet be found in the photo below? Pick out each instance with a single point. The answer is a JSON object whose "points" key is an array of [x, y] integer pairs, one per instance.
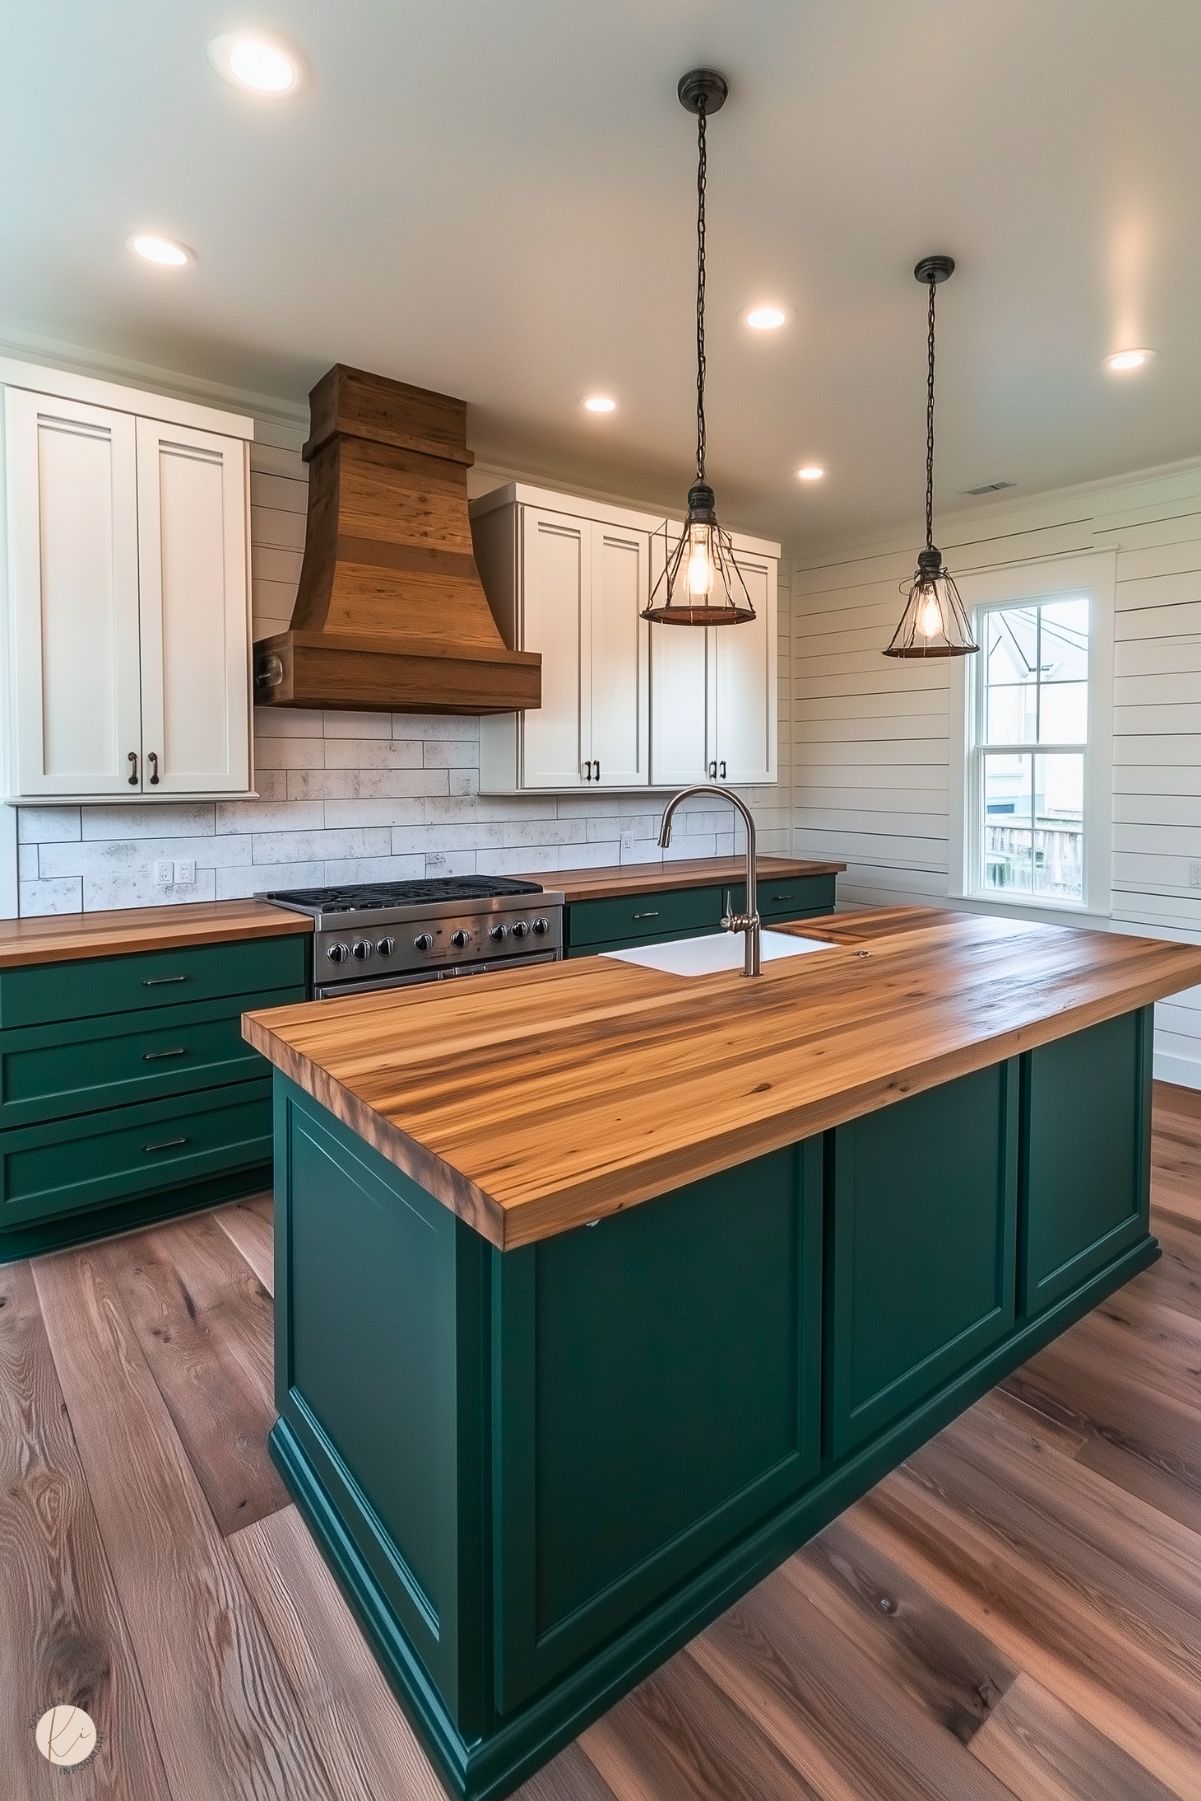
{"points": [[185, 873], [161, 870], [1194, 875]]}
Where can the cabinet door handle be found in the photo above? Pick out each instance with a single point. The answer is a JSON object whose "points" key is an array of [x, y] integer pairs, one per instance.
{"points": [[158, 1056], [713, 770], [133, 768], [646, 916], [161, 981], [723, 770], [164, 1144], [587, 769], [596, 765], [152, 759]]}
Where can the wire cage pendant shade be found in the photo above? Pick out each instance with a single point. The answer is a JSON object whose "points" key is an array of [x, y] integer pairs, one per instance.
{"points": [[934, 622], [700, 583]]}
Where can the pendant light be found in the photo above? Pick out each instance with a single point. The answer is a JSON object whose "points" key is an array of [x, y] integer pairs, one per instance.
{"points": [[701, 583], [934, 623]]}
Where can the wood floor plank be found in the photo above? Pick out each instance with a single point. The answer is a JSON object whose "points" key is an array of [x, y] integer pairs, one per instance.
{"points": [[204, 1324], [1042, 1751], [63, 1637], [248, 1225], [830, 1715], [228, 1723], [1028, 1579], [681, 1737], [901, 1634]]}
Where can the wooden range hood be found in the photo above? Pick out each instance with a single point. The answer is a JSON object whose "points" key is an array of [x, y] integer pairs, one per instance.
{"points": [[390, 615]]}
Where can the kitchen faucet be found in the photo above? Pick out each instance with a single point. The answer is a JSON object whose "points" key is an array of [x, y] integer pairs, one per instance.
{"points": [[746, 922]]}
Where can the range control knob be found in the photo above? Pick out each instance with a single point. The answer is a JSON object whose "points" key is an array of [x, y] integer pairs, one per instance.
{"points": [[498, 934], [460, 939], [542, 927], [338, 953], [361, 949], [423, 942], [386, 946], [520, 929]]}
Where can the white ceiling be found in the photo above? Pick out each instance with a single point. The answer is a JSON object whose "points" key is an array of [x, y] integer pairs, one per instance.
{"points": [[495, 200]]}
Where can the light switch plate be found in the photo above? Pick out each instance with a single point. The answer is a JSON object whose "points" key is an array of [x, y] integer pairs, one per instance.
{"points": [[162, 871], [185, 872]]}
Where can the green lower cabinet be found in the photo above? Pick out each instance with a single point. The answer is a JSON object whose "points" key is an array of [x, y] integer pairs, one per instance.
{"points": [[49, 992], [73, 1164], [923, 1251], [624, 1352], [1085, 1155]]}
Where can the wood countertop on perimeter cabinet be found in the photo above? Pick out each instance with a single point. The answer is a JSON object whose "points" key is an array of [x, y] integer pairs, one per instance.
{"points": [[67, 937], [536, 1099], [687, 872]]}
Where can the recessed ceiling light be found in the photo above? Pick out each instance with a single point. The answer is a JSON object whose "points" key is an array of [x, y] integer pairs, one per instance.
{"points": [[599, 403], [261, 65], [766, 317], [168, 253], [810, 472], [1122, 360]]}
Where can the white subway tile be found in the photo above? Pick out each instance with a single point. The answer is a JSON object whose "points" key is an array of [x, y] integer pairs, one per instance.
{"points": [[523, 862], [309, 847], [472, 836], [371, 753], [450, 862], [356, 725], [435, 725], [155, 819], [605, 826], [464, 781], [451, 753], [289, 753], [403, 784], [375, 869], [104, 891], [322, 784], [47, 825], [286, 722], [599, 855], [373, 812], [546, 831], [271, 784], [236, 884], [28, 869], [270, 815], [62, 896]]}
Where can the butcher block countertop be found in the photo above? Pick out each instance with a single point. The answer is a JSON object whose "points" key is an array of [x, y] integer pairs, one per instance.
{"points": [[535, 1099], [63, 937], [615, 879]]}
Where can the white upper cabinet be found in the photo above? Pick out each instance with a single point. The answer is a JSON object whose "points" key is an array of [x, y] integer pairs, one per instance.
{"points": [[625, 704], [126, 589], [573, 589]]}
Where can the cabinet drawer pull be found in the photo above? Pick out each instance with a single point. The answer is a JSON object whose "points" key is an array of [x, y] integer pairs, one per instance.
{"points": [[161, 981], [157, 1056], [165, 1144], [783, 897], [646, 916]]}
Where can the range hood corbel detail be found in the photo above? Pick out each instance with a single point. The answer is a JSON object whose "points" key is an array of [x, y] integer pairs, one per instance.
{"points": [[390, 615]]}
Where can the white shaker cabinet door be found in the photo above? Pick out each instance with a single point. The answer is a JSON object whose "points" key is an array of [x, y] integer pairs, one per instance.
{"points": [[744, 729], [72, 576], [556, 582], [194, 607], [619, 664]]}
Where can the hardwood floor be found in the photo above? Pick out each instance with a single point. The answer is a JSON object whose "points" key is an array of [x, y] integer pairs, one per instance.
{"points": [[1015, 1612]]}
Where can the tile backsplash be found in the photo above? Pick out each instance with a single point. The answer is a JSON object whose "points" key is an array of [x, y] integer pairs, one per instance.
{"points": [[354, 797]]}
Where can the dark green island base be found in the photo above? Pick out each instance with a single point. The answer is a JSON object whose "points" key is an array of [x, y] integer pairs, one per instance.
{"points": [[538, 1473]]}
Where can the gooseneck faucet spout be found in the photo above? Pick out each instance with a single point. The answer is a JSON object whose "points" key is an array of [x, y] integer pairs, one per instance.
{"points": [[746, 922]]}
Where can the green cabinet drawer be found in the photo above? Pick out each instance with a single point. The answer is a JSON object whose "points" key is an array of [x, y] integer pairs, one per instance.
{"points": [[923, 1260], [85, 1065], [69, 1165], [635, 918], [790, 897], [48, 992], [1085, 1162]]}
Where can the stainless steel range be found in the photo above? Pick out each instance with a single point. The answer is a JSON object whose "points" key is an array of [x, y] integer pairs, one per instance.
{"points": [[371, 935]]}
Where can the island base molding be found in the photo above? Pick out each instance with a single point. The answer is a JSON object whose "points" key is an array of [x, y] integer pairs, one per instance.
{"points": [[538, 1473]]}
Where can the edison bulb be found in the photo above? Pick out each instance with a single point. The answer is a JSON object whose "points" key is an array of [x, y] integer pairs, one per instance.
{"points": [[700, 564], [929, 617]]}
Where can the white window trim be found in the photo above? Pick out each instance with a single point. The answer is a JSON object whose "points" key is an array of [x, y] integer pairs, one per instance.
{"points": [[1092, 573]]}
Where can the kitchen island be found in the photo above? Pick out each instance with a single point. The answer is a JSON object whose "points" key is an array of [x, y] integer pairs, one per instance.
{"points": [[601, 1288]]}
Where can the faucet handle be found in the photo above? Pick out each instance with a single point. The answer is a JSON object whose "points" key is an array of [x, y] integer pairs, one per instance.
{"points": [[727, 918]]}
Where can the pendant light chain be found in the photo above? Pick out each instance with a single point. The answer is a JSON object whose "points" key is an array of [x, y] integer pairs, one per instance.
{"points": [[930, 428], [702, 171]]}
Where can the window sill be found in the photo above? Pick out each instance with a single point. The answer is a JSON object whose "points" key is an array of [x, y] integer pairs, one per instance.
{"points": [[1053, 911]]}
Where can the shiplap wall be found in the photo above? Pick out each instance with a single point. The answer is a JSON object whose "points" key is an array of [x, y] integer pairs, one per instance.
{"points": [[871, 750], [348, 797]]}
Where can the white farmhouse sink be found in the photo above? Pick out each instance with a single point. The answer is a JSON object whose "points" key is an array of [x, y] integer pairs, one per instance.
{"points": [[720, 951]]}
